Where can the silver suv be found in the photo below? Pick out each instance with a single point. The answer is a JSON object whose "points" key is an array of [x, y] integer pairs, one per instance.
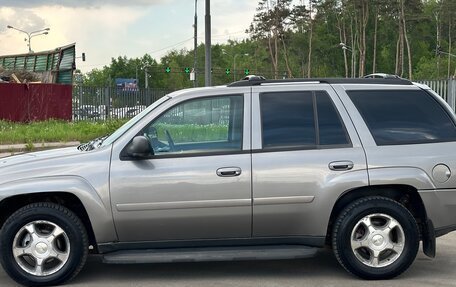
{"points": [[258, 169]]}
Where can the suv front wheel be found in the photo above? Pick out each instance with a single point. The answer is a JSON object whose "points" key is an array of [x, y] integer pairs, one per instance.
{"points": [[375, 238], [43, 244]]}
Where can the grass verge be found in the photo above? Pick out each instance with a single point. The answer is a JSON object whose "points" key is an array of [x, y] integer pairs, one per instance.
{"points": [[55, 131], [192, 133]]}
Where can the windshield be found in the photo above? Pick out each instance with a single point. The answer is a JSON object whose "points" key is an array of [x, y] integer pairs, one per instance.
{"points": [[109, 140]]}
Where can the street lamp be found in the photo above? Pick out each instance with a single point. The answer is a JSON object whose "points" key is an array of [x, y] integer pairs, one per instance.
{"points": [[195, 44], [350, 49], [439, 51], [345, 47], [30, 35], [234, 62]]}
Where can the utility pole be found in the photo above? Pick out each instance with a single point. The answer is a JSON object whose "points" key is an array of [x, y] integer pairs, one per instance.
{"points": [[208, 64], [195, 44], [137, 73], [146, 79]]}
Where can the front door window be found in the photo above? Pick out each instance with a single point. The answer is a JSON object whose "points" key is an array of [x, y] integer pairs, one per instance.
{"points": [[204, 125]]}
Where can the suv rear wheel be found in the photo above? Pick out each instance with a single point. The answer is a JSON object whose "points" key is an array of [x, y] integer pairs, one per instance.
{"points": [[43, 244], [375, 238]]}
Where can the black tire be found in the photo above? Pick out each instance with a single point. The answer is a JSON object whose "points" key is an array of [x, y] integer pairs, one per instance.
{"points": [[356, 211], [56, 214]]}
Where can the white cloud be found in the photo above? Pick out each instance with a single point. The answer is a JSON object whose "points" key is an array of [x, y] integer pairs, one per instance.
{"points": [[98, 32], [230, 18], [79, 3], [105, 29], [24, 19]]}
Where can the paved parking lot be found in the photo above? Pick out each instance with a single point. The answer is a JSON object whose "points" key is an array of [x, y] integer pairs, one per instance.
{"points": [[322, 270]]}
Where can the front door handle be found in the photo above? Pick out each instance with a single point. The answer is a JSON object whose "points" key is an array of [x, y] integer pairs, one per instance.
{"points": [[229, 171], [341, 165]]}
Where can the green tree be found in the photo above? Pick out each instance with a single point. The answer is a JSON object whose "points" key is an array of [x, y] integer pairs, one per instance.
{"points": [[270, 24], [390, 36]]}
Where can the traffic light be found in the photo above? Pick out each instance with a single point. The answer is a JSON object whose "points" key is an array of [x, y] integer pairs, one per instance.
{"points": [[83, 57], [246, 72], [227, 71], [187, 70], [168, 69]]}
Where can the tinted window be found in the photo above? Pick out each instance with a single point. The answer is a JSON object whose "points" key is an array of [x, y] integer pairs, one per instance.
{"points": [[287, 119], [330, 127], [403, 117], [198, 126]]}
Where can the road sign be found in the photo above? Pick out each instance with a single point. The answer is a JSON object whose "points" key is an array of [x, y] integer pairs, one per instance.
{"points": [[168, 70]]}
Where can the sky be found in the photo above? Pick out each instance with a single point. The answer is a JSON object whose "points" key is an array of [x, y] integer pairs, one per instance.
{"points": [[103, 29]]}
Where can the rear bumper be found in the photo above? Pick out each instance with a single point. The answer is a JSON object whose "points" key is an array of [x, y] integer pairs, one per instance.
{"points": [[444, 230], [440, 207]]}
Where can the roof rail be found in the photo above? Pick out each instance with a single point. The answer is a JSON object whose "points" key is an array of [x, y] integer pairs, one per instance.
{"points": [[258, 80], [381, 76]]}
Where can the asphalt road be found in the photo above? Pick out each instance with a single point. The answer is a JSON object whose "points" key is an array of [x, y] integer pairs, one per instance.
{"points": [[323, 270]]}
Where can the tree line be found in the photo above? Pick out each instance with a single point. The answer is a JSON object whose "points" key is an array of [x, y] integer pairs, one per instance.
{"points": [[318, 38]]}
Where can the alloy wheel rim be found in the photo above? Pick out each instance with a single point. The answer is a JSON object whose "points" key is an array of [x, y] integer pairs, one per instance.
{"points": [[41, 248], [377, 240]]}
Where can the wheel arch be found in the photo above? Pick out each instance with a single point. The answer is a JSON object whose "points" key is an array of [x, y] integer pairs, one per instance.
{"points": [[11, 204], [406, 195], [95, 201]]}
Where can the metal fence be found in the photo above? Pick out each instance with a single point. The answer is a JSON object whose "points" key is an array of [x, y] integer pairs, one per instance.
{"points": [[445, 88], [94, 103], [35, 102], [204, 112]]}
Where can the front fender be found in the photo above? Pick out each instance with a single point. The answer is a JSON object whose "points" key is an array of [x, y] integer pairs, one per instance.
{"points": [[99, 210]]}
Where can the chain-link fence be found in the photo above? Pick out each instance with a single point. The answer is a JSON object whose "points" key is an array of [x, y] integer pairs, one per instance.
{"points": [[95, 103]]}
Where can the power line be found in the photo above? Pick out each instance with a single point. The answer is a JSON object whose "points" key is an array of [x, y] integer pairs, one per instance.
{"points": [[172, 46], [156, 51], [168, 47], [229, 34]]}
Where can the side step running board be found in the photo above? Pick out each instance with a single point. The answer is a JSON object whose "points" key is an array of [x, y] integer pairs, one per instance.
{"points": [[209, 254]]}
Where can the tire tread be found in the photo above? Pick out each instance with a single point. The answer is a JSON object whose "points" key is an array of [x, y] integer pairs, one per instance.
{"points": [[72, 217], [346, 211]]}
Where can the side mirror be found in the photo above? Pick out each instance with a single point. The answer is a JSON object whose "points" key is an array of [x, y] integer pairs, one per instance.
{"points": [[139, 147]]}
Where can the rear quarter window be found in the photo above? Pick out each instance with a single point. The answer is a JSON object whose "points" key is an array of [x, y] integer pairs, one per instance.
{"points": [[403, 117]]}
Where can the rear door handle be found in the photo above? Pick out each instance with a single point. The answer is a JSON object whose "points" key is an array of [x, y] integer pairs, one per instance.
{"points": [[341, 165], [229, 171]]}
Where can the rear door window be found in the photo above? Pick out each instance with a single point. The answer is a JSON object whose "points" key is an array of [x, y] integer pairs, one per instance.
{"points": [[403, 117], [300, 119], [288, 119], [331, 129]]}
